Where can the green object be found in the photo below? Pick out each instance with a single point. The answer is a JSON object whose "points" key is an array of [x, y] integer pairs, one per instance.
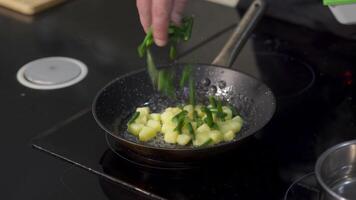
{"points": [[337, 2], [134, 117], [151, 67], [220, 114], [185, 76], [163, 80], [180, 116], [209, 117], [179, 119], [212, 101], [191, 130]]}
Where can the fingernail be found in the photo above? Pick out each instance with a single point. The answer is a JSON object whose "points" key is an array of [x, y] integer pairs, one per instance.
{"points": [[160, 43]]}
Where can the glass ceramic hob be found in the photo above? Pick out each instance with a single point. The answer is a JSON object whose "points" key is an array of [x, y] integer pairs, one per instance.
{"points": [[316, 110]]}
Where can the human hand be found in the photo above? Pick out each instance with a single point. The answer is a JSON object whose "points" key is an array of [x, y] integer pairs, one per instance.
{"points": [[158, 14]]}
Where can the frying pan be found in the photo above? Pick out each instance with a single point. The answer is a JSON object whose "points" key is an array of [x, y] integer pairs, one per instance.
{"points": [[115, 103]]}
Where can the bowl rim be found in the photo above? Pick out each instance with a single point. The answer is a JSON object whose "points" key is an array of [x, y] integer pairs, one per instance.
{"points": [[320, 162]]}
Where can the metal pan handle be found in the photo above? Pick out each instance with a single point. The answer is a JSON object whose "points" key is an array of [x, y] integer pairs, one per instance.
{"points": [[233, 46]]}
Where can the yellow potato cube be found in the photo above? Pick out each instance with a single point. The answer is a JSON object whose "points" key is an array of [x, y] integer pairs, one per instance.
{"points": [[203, 129], [155, 116], [216, 136], [168, 127], [176, 110], [228, 112], [238, 119], [198, 109], [183, 139], [143, 110], [228, 136], [189, 109], [167, 116], [134, 128], [147, 133], [156, 125], [141, 119], [171, 137], [201, 138]]}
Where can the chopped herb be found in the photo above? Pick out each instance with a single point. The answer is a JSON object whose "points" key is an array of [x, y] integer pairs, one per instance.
{"points": [[191, 130], [212, 101], [209, 117], [164, 81], [179, 126], [180, 116], [185, 76], [134, 117], [152, 69], [192, 91], [195, 115], [173, 51], [213, 110], [220, 114]]}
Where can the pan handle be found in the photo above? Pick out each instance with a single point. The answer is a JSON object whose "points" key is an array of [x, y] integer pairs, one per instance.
{"points": [[233, 46]]}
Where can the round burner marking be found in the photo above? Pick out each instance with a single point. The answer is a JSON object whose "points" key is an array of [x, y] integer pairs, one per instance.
{"points": [[52, 73], [286, 75]]}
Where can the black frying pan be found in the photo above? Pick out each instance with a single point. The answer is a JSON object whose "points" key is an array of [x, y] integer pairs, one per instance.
{"points": [[116, 102]]}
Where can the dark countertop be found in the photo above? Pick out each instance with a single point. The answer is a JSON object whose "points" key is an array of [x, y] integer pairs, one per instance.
{"points": [[104, 35]]}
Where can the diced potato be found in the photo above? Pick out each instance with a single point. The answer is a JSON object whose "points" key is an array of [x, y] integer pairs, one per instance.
{"points": [[143, 110], [216, 136], [185, 130], [189, 109], [141, 119], [228, 112], [147, 133], [201, 138], [176, 110], [230, 125], [235, 126], [198, 109], [238, 119], [134, 128], [183, 139], [224, 126], [167, 116], [194, 125], [171, 137], [173, 110], [228, 136], [156, 125], [203, 129], [168, 127], [155, 116]]}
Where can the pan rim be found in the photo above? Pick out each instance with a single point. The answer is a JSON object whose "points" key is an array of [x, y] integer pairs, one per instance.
{"points": [[181, 149]]}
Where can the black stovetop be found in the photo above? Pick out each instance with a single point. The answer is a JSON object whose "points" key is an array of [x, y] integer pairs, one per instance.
{"points": [[312, 79]]}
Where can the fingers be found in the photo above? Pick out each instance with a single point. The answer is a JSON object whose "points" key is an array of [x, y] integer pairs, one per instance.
{"points": [[161, 14], [144, 10], [177, 11]]}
